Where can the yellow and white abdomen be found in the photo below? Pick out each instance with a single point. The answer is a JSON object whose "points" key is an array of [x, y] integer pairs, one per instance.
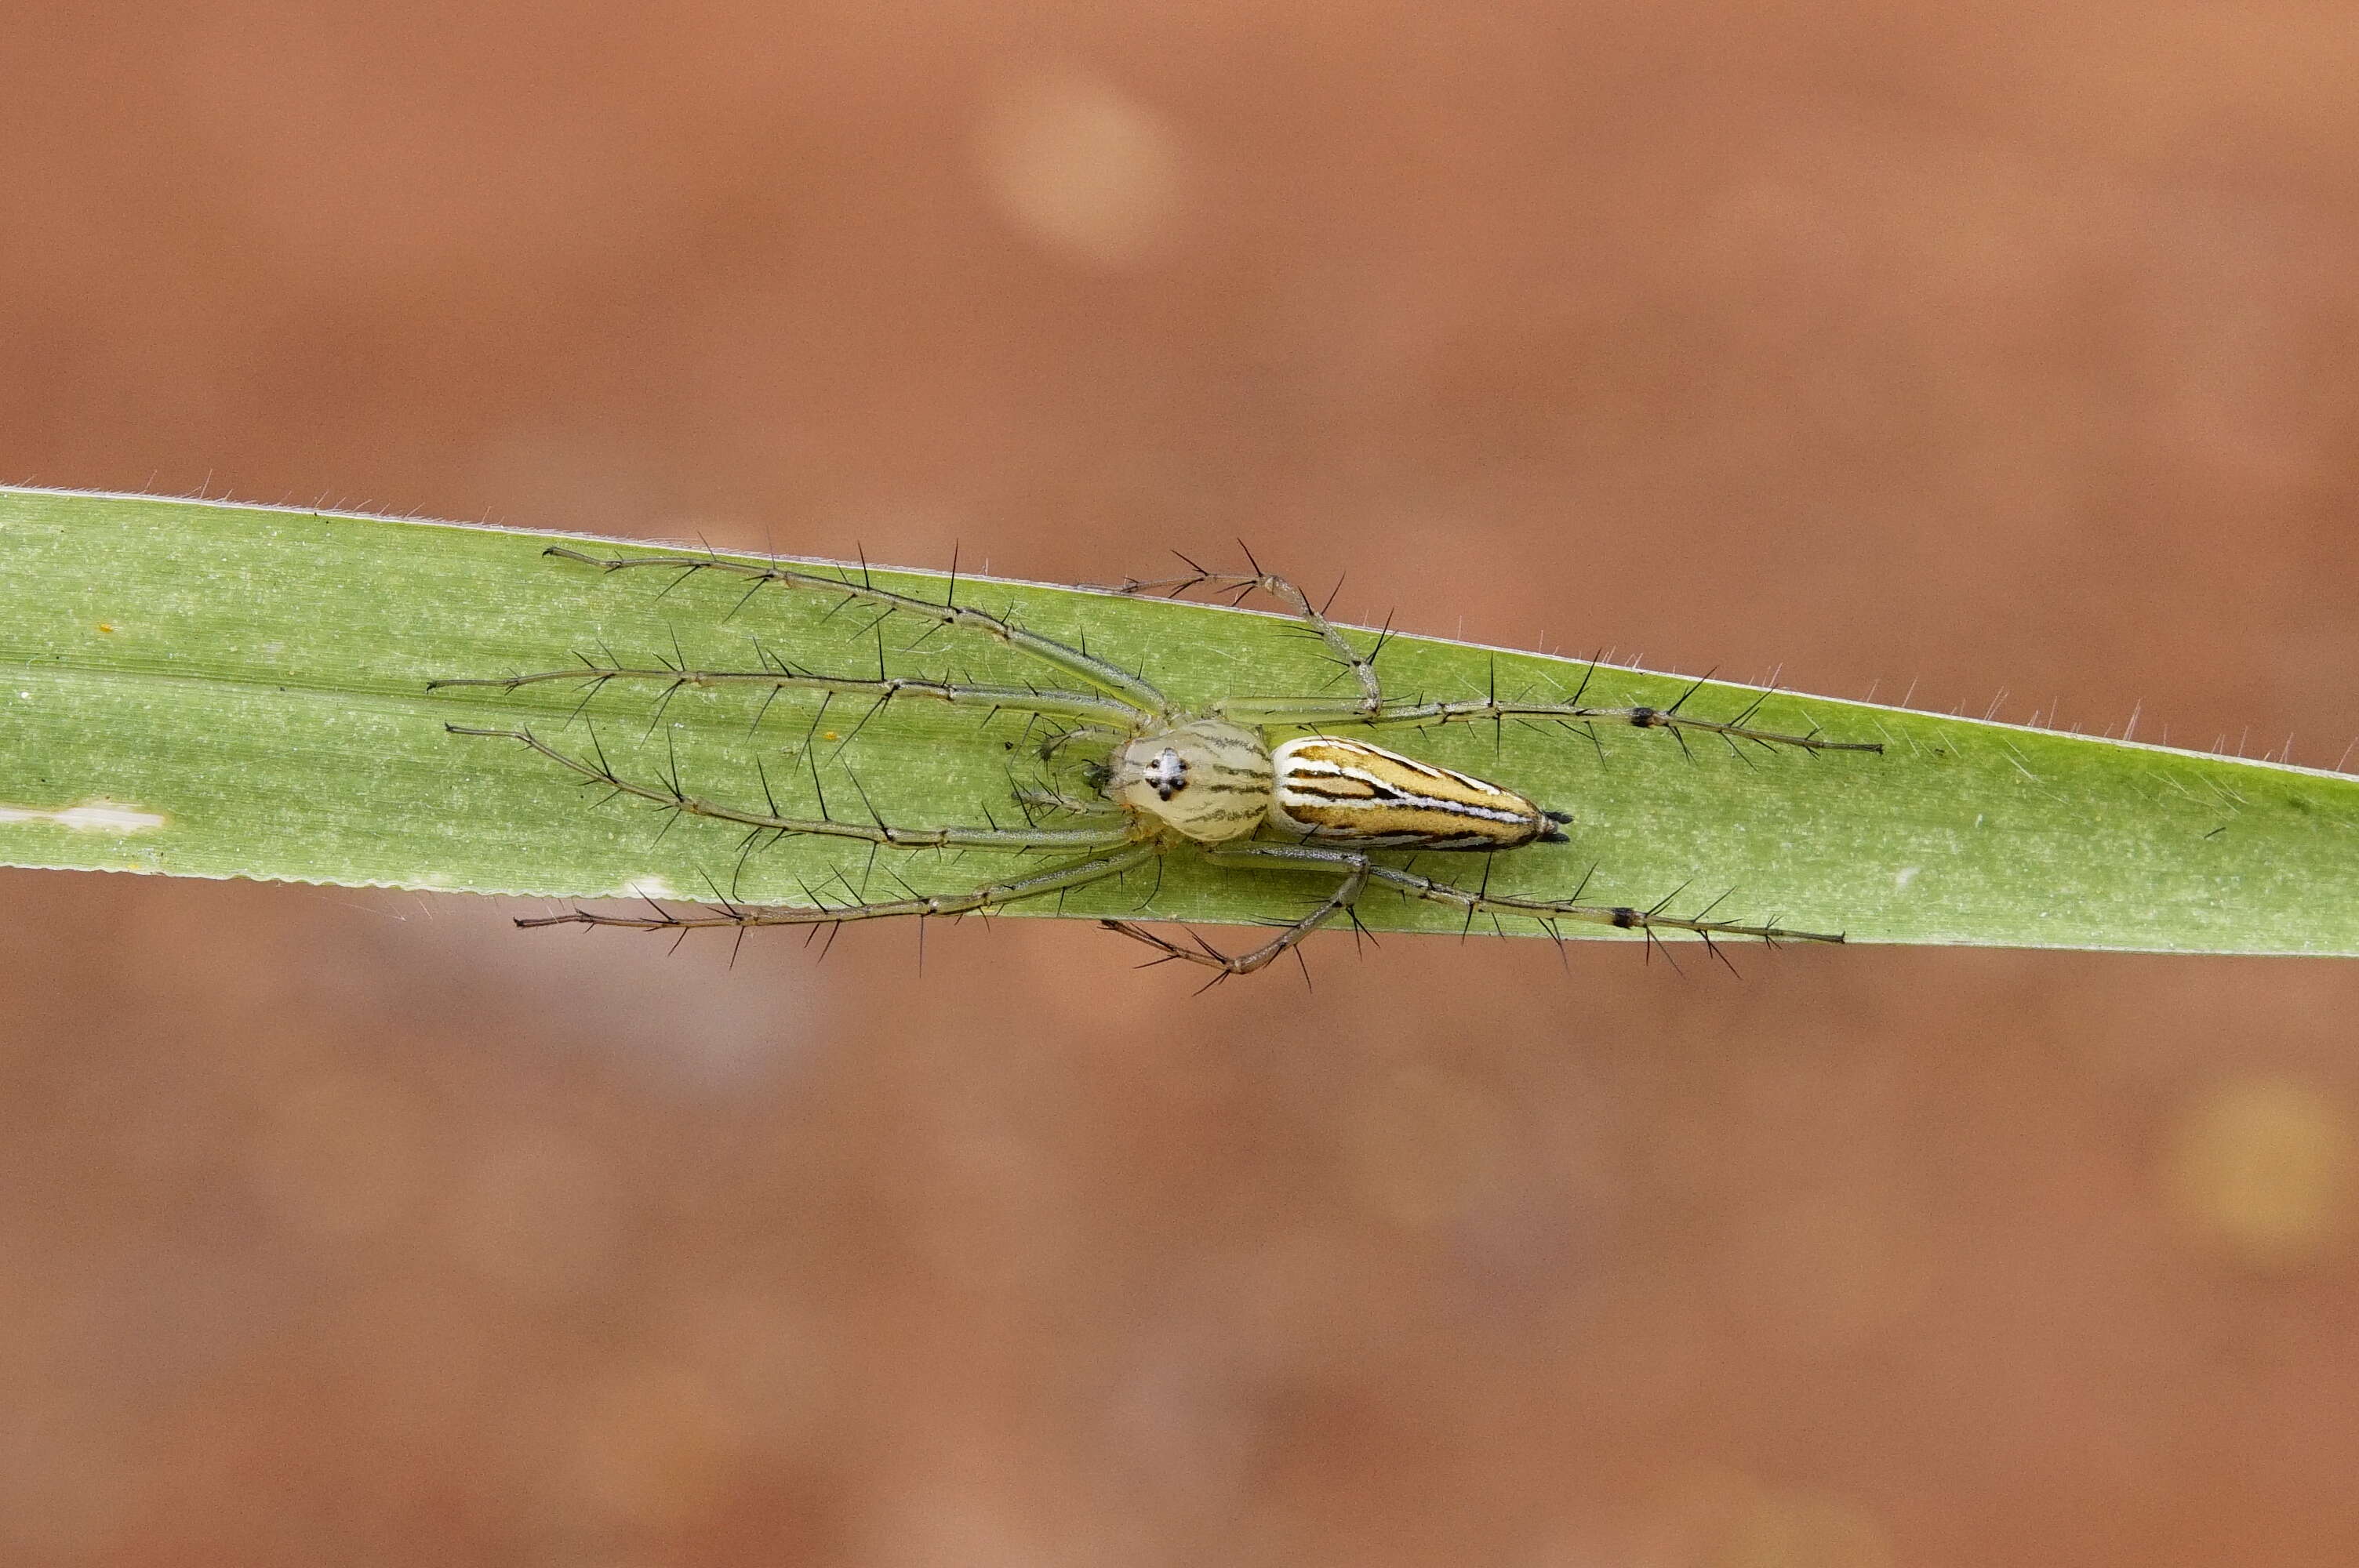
{"points": [[1350, 792]]}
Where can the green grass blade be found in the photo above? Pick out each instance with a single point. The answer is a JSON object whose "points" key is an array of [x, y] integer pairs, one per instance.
{"points": [[211, 690]]}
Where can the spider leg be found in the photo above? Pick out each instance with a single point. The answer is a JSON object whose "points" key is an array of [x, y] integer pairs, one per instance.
{"points": [[990, 895], [1135, 696], [1575, 714], [1359, 869], [1064, 704], [1337, 902], [1064, 738], [1363, 666], [1058, 800], [670, 795]]}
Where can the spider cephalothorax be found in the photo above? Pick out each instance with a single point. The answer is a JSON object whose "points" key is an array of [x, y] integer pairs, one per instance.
{"points": [[1213, 780], [1209, 781]]}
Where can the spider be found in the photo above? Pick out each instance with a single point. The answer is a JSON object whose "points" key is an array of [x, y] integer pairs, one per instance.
{"points": [[1210, 779]]}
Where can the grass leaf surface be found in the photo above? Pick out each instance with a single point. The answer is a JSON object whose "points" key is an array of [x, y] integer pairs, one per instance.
{"points": [[204, 690]]}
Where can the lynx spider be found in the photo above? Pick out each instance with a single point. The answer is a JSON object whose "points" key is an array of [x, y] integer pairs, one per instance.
{"points": [[1210, 778]]}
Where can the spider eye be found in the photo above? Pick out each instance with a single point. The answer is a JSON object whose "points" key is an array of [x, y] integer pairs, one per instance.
{"points": [[1168, 774]]}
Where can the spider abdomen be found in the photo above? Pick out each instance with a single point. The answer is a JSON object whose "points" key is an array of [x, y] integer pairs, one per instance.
{"points": [[1351, 792]]}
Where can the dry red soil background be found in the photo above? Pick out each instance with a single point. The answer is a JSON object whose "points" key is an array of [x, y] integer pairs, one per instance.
{"points": [[2014, 350]]}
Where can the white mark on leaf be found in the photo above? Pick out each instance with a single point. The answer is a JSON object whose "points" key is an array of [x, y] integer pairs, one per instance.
{"points": [[651, 887], [91, 816]]}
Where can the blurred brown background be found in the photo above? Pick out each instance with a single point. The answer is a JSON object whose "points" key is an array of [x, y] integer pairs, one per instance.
{"points": [[2012, 352]]}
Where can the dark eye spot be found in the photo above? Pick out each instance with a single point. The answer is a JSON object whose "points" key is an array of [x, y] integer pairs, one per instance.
{"points": [[1168, 774]]}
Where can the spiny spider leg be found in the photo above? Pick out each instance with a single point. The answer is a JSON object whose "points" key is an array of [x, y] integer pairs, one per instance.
{"points": [[1362, 665], [989, 896], [1282, 710], [1027, 700], [1064, 738], [1142, 699], [1058, 800], [1337, 902], [1355, 864], [675, 799]]}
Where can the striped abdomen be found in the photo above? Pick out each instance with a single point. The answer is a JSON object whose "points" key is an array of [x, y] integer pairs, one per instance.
{"points": [[1350, 792]]}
